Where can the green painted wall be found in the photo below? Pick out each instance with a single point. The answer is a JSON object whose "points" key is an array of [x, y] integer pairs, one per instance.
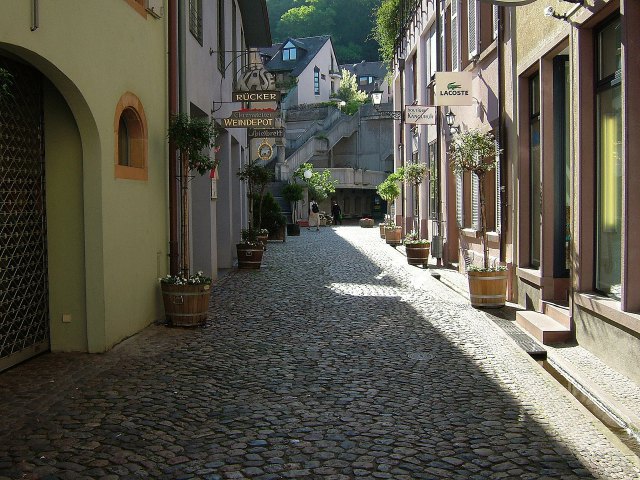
{"points": [[93, 52]]}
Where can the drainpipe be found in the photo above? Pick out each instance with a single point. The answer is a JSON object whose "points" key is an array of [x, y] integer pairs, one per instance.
{"points": [[402, 145], [439, 62], [501, 133], [173, 166]]}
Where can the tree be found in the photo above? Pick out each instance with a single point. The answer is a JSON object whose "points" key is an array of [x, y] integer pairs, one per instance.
{"points": [[387, 29], [389, 189], [320, 184], [293, 193], [476, 152], [414, 173], [257, 178], [349, 93]]}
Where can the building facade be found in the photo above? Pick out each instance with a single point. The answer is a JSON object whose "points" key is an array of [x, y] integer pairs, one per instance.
{"points": [[554, 83]]}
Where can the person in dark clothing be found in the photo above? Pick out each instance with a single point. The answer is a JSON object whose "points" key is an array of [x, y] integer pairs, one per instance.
{"points": [[336, 213]]}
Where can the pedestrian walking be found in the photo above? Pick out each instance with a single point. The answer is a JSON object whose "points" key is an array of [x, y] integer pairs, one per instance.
{"points": [[336, 213], [314, 216]]}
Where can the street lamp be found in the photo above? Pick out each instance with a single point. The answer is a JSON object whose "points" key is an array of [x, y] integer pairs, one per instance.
{"points": [[307, 174], [451, 118], [376, 98]]}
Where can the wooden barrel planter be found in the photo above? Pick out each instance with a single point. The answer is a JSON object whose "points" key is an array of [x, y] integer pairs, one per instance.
{"points": [[263, 240], [186, 305], [279, 234], [393, 235], [249, 256], [366, 222], [382, 227], [487, 289], [417, 253]]}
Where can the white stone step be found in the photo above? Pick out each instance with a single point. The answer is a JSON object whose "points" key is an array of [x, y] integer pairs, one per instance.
{"points": [[559, 313], [542, 327]]}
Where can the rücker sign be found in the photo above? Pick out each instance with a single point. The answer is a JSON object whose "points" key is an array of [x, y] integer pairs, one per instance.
{"points": [[257, 96]]}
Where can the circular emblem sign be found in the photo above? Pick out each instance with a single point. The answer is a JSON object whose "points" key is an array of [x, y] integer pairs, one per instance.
{"points": [[265, 151]]}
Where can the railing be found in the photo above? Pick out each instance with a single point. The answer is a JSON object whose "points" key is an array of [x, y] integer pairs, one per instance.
{"points": [[313, 129], [355, 178]]}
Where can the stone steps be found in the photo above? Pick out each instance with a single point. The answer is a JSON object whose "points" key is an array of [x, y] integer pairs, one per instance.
{"points": [[543, 327]]}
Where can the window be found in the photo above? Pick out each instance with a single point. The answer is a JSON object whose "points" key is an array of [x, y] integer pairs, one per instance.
{"points": [[535, 187], [365, 80], [434, 193], [459, 200], [475, 202], [234, 42], [455, 35], [316, 81], [495, 19], [195, 19], [222, 60], [289, 52], [130, 127], [473, 28], [608, 159]]}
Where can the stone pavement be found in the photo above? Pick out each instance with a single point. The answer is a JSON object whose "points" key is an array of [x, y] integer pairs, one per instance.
{"points": [[336, 361]]}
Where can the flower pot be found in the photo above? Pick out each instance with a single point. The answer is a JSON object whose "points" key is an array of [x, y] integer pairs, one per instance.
{"points": [[487, 289], [249, 255], [382, 227], [417, 253], [366, 222], [186, 305], [293, 229], [393, 235]]}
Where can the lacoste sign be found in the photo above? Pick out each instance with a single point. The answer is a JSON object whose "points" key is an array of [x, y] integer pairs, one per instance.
{"points": [[453, 88]]}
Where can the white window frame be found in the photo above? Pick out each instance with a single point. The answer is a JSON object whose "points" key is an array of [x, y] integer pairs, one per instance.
{"points": [[455, 35], [473, 28]]}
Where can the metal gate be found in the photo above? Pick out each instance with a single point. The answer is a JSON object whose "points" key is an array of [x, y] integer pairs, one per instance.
{"points": [[24, 303]]}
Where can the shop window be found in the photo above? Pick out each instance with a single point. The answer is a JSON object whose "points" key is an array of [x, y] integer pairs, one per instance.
{"points": [[130, 128], [535, 187], [609, 159]]}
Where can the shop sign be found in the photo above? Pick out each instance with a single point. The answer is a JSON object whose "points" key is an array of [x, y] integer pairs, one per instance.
{"points": [[256, 96], [453, 88], [420, 115], [261, 123], [265, 151], [256, 113], [265, 133]]}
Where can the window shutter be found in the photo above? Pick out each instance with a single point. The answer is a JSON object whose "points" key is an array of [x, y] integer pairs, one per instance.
{"points": [[473, 28], [459, 200], [475, 201], [498, 191], [455, 45], [495, 22], [433, 51]]}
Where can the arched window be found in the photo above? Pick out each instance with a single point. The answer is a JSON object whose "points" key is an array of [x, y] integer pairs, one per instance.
{"points": [[130, 127]]}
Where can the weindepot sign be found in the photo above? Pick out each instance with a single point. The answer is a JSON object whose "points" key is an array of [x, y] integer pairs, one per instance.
{"points": [[248, 122], [453, 88]]}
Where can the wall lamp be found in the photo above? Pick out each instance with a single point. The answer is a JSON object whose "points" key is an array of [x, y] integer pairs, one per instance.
{"points": [[376, 98], [549, 11], [450, 117]]}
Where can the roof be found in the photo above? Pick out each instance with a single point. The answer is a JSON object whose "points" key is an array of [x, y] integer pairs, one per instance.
{"points": [[374, 69], [308, 48], [255, 19]]}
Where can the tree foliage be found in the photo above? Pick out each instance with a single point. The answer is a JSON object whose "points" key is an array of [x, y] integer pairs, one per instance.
{"points": [[349, 22], [387, 29], [320, 184], [349, 93]]}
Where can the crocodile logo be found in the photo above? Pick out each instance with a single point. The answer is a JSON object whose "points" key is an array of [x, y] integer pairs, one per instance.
{"points": [[453, 86]]}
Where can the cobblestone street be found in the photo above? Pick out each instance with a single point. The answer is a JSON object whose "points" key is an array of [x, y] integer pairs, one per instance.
{"points": [[336, 361]]}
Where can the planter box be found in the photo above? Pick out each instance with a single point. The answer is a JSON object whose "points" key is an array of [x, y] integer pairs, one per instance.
{"points": [[417, 253], [186, 305], [279, 234], [249, 256], [393, 235], [487, 289], [366, 222], [382, 227], [293, 230]]}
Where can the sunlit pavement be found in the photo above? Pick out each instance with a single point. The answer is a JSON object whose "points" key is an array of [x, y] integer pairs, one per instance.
{"points": [[337, 360]]}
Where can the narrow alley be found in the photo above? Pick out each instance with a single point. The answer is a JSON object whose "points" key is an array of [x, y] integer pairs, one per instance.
{"points": [[336, 360]]}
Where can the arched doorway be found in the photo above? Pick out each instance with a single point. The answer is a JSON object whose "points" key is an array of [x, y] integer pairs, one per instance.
{"points": [[24, 300]]}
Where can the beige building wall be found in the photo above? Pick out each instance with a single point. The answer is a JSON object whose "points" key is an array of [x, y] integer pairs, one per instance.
{"points": [[114, 234]]}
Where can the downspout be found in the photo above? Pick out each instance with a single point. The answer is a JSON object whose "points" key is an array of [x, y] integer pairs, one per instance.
{"points": [[402, 139], [173, 165], [439, 61], [184, 171], [501, 132], [182, 58]]}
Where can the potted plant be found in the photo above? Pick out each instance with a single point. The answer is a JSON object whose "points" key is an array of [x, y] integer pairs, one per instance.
{"points": [[257, 177], [417, 249], [293, 193], [186, 296], [366, 222], [273, 222], [414, 173], [389, 190], [476, 152]]}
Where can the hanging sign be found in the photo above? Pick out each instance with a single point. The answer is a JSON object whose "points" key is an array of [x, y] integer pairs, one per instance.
{"points": [[265, 133], [256, 113], [265, 151], [453, 88], [256, 96], [420, 114], [233, 122]]}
